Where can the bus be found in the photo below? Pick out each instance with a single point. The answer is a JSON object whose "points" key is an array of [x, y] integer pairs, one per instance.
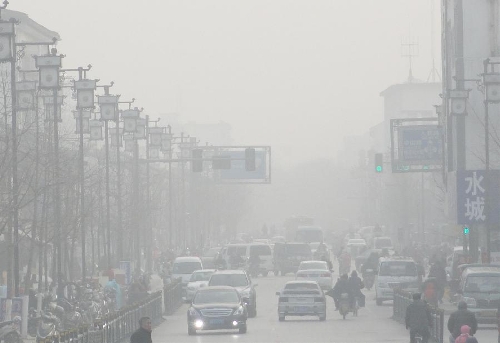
{"points": [[293, 223], [309, 234]]}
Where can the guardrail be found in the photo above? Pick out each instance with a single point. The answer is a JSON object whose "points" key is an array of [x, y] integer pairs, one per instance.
{"points": [[172, 296], [401, 301], [115, 327]]}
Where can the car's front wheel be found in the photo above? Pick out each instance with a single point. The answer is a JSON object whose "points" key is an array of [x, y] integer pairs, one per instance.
{"points": [[243, 329], [191, 331], [281, 318], [322, 317]]}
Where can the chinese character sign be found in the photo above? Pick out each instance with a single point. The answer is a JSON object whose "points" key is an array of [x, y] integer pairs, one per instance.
{"points": [[473, 195]]}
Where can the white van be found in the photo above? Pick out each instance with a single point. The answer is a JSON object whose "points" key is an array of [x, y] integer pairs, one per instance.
{"points": [[395, 272], [265, 255], [224, 257], [183, 267]]}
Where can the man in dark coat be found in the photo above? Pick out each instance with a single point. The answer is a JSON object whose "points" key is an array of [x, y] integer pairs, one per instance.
{"points": [[418, 319], [462, 317], [143, 334]]}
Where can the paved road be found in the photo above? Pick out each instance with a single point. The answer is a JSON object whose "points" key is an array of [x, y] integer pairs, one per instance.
{"points": [[372, 325]]}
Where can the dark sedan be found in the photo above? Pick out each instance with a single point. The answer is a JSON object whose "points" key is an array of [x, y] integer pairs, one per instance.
{"points": [[217, 308]]}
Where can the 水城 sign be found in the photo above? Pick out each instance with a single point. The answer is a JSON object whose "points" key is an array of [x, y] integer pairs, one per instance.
{"points": [[478, 197]]}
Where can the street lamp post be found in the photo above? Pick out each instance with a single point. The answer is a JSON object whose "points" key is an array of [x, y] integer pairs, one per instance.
{"points": [[491, 82], [85, 100], [108, 106], [48, 66]]}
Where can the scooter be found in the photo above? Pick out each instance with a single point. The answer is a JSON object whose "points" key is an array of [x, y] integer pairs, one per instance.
{"points": [[344, 305], [369, 278], [9, 331]]}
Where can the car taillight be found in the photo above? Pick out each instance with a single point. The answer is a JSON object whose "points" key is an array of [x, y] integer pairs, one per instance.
{"points": [[283, 299], [319, 299]]}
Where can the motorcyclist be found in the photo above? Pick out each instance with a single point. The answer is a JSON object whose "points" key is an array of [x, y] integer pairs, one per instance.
{"points": [[438, 271], [461, 317], [371, 263], [341, 286], [418, 319], [355, 284]]}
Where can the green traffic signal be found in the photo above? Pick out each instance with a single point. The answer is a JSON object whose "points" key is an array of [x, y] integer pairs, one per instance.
{"points": [[466, 230], [379, 163]]}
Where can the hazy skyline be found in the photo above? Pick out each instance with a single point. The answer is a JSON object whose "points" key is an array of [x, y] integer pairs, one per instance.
{"points": [[297, 75]]}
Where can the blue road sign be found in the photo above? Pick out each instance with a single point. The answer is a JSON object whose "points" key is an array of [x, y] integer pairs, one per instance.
{"points": [[420, 144], [238, 170]]}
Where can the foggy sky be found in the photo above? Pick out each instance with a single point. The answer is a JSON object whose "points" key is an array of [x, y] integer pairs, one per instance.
{"points": [[297, 75]]}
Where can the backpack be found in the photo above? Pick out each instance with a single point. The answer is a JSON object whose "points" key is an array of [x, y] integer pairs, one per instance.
{"points": [[462, 338]]}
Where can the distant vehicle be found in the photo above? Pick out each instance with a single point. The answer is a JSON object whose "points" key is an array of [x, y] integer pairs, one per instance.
{"points": [[232, 256], [383, 243], [315, 271], [369, 232], [319, 249], [301, 298], [309, 234], [183, 267], [288, 256], [361, 259], [400, 272], [480, 288], [265, 254], [208, 258], [293, 223], [243, 284], [357, 246], [199, 279], [216, 308]]}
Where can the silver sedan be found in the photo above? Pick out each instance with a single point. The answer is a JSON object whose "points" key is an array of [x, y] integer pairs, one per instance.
{"points": [[301, 298]]}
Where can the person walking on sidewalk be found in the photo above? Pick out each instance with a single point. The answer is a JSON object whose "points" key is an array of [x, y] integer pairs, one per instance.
{"points": [[143, 334]]}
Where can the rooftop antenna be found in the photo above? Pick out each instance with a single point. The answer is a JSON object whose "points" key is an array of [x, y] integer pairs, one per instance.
{"points": [[434, 74], [409, 49]]}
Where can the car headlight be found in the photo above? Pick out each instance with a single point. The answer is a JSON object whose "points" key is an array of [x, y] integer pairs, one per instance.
{"points": [[245, 293], [192, 312], [471, 302], [239, 311]]}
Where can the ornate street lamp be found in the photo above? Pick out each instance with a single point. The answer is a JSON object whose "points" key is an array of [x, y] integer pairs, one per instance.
{"points": [[458, 99], [48, 67], [7, 35], [85, 121], [95, 130], [52, 107], [26, 94]]}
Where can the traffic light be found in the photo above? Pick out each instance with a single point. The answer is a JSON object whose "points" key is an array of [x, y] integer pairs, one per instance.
{"points": [[379, 163], [466, 230], [197, 161], [250, 159]]}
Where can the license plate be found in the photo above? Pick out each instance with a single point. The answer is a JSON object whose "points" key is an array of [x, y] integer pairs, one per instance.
{"points": [[216, 321], [301, 309]]}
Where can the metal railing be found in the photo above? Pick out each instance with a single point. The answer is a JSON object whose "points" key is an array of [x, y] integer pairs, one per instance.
{"points": [[115, 327], [401, 301], [172, 296]]}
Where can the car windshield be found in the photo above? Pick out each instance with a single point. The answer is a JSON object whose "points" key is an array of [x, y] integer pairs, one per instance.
{"points": [[212, 252], [483, 284], [236, 250], [298, 249], [313, 265], [233, 280], [260, 250], [186, 267], [216, 296], [398, 268], [200, 276], [383, 243], [295, 286]]}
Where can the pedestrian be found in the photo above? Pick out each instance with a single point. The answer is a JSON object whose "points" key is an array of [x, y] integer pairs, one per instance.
{"points": [[143, 334], [418, 319], [459, 318]]}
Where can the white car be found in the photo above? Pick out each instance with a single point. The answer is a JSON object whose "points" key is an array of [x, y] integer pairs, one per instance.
{"points": [[315, 271], [199, 279]]}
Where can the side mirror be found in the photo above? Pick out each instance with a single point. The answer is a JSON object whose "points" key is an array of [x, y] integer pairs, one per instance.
{"points": [[278, 293]]}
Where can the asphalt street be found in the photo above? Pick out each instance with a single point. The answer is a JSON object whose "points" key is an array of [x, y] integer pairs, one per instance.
{"points": [[374, 323]]}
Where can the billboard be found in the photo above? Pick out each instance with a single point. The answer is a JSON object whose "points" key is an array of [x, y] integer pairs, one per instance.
{"points": [[416, 145]]}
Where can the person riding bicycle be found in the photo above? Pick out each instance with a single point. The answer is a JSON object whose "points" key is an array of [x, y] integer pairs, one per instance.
{"points": [[356, 285], [418, 319]]}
